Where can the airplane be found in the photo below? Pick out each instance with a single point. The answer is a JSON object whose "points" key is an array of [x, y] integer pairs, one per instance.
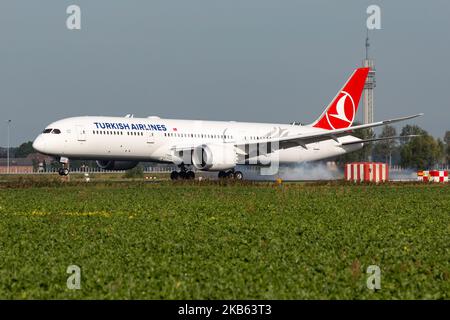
{"points": [[120, 143]]}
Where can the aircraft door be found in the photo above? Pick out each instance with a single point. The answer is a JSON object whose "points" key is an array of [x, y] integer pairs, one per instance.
{"points": [[151, 137], [81, 133]]}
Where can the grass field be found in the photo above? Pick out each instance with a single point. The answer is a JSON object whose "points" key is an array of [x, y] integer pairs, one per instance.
{"points": [[193, 240]]}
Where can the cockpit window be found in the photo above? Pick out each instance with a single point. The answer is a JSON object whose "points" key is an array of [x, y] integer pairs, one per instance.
{"points": [[56, 131], [47, 131]]}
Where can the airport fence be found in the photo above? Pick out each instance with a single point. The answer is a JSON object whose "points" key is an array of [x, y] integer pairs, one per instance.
{"points": [[94, 170], [168, 169]]}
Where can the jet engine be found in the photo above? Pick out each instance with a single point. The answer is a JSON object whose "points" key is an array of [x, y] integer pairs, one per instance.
{"points": [[214, 157], [116, 165]]}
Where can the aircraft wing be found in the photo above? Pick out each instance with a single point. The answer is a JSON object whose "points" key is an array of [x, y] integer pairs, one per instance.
{"points": [[379, 139], [304, 139]]}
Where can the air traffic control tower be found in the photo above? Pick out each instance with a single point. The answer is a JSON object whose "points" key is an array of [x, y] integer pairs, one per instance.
{"points": [[369, 86]]}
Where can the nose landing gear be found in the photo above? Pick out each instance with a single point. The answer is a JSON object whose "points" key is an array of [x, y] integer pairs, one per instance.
{"points": [[64, 170]]}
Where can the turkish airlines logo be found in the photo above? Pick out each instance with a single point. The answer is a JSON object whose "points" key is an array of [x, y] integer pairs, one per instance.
{"points": [[342, 114]]}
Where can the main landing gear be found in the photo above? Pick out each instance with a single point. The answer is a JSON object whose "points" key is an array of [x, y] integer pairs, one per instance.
{"points": [[231, 174], [182, 174]]}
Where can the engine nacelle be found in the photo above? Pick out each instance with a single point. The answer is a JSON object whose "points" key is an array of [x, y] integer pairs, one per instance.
{"points": [[214, 157], [116, 165]]}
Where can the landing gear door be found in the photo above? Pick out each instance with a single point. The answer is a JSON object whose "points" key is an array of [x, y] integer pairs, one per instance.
{"points": [[81, 133]]}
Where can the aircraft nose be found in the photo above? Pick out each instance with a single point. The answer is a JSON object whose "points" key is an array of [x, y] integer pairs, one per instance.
{"points": [[39, 144]]}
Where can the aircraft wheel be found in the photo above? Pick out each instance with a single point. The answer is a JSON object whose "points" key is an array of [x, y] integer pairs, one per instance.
{"points": [[229, 175], [65, 171], [174, 175], [238, 175], [190, 175], [182, 174]]}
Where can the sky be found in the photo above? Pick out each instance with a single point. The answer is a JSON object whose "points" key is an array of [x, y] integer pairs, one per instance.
{"points": [[244, 60]]}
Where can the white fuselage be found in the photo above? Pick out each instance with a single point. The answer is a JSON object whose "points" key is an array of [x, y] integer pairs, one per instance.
{"points": [[155, 139]]}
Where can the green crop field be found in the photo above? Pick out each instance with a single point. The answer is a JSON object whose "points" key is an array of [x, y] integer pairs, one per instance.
{"points": [[192, 240]]}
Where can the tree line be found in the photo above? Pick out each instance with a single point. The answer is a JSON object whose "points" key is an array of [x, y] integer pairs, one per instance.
{"points": [[420, 152]]}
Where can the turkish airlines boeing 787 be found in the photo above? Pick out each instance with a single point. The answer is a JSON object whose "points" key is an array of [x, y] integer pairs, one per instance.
{"points": [[120, 143]]}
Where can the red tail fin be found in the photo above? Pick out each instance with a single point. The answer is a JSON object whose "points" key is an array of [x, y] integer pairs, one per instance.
{"points": [[341, 112]]}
